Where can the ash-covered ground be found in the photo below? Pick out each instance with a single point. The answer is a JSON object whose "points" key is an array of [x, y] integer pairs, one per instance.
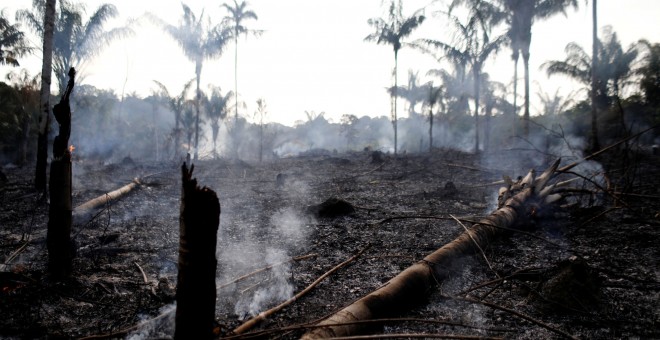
{"points": [[590, 270]]}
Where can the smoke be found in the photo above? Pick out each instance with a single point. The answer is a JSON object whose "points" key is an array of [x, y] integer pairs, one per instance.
{"points": [[277, 287], [289, 225], [243, 251], [153, 328]]}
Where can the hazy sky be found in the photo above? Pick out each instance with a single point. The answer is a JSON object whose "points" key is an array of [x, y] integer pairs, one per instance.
{"points": [[313, 57]]}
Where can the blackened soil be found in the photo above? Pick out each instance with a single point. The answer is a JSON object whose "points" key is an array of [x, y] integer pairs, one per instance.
{"points": [[589, 269]]}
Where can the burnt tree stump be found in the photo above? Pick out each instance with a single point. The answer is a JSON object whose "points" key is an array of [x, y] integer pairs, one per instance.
{"points": [[60, 247], [198, 228]]}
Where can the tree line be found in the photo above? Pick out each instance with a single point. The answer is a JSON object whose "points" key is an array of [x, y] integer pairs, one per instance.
{"points": [[623, 84]]}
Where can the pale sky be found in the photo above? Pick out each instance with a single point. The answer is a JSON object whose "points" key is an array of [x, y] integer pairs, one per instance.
{"points": [[313, 57]]}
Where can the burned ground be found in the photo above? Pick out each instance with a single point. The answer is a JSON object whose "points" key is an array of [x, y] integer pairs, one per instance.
{"points": [[589, 269]]}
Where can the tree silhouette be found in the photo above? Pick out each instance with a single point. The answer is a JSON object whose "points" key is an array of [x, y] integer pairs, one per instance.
{"points": [[177, 104], [199, 40], [259, 116], [519, 16], [650, 73], [612, 72], [433, 97], [472, 46], [13, 44], [75, 41], [216, 106], [413, 93], [392, 31], [237, 15]]}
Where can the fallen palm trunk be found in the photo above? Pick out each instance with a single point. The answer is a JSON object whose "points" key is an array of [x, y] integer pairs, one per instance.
{"points": [[198, 228], [104, 199], [60, 246], [517, 204]]}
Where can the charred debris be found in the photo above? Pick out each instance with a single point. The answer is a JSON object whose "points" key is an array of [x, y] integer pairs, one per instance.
{"points": [[331, 246]]}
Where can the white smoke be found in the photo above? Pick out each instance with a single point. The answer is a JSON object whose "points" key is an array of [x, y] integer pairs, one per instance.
{"points": [[278, 287], [148, 326]]}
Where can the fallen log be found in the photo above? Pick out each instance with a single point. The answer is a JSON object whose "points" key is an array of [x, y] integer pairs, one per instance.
{"points": [[106, 198], [519, 202]]}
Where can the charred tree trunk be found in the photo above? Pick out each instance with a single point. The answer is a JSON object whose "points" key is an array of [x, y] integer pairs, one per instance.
{"points": [[198, 228], [518, 202], [60, 246]]}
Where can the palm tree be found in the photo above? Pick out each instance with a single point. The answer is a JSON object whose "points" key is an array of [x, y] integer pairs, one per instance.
{"points": [[391, 32], [472, 47], [612, 70], [177, 104], [237, 14], [44, 96], [216, 106], [413, 93], [519, 15], [13, 44], [259, 116], [650, 73], [75, 42], [199, 41], [494, 99], [434, 96]]}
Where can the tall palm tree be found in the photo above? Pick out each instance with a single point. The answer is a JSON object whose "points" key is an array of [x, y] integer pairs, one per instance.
{"points": [[216, 106], [75, 41], [606, 77], [238, 13], [473, 46], [48, 27], [519, 15], [177, 104], [199, 40], [392, 31], [13, 44]]}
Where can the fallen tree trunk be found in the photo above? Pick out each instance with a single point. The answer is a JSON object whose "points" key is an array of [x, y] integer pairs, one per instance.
{"points": [[106, 198], [517, 204]]}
